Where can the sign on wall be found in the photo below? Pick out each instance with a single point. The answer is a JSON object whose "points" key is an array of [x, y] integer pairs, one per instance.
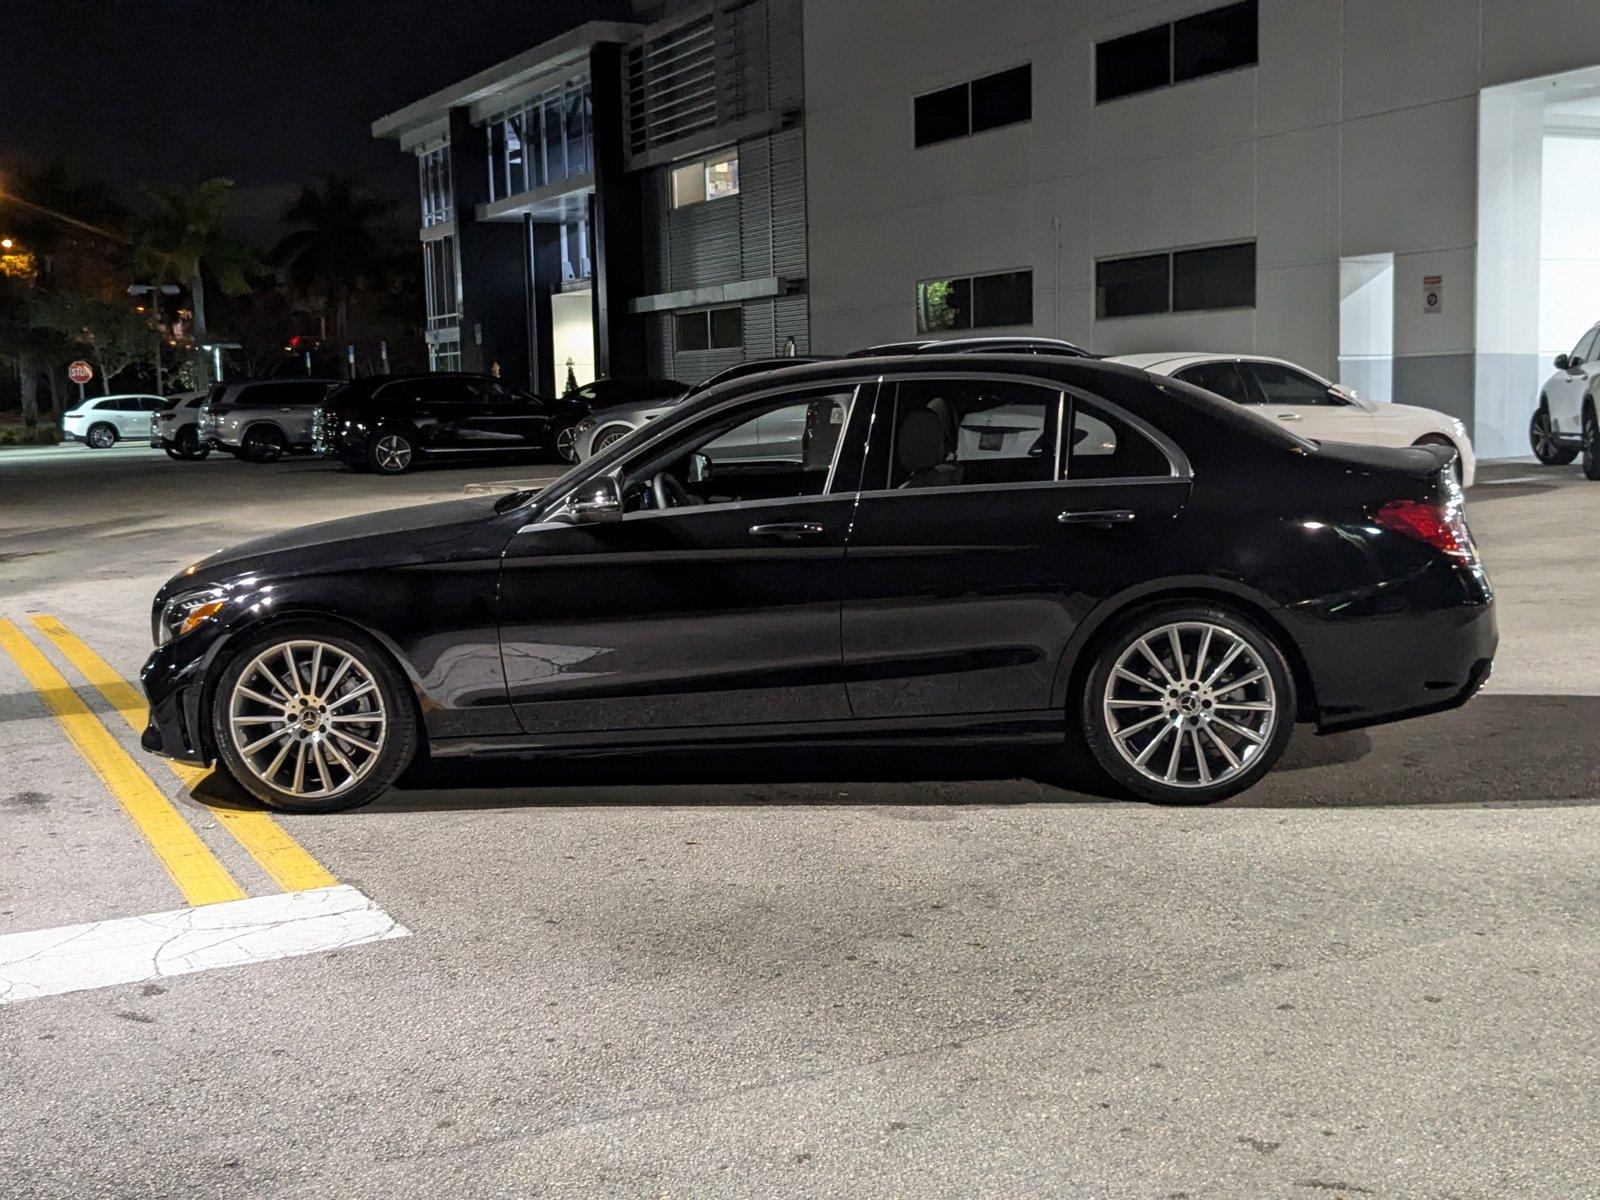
{"points": [[1431, 293]]}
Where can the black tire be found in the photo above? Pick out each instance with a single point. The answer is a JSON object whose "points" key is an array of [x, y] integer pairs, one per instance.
{"points": [[1438, 439], [399, 724], [189, 446], [1542, 438], [101, 437], [1591, 444], [174, 453], [262, 444], [391, 451], [1189, 712]]}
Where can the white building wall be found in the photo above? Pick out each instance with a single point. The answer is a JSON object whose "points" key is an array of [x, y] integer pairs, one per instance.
{"points": [[1356, 134]]}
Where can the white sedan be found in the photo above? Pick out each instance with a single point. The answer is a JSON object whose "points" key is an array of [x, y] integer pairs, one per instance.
{"points": [[1310, 405]]}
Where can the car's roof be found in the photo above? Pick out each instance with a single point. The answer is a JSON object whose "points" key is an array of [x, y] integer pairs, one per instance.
{"points": [[1165, 362], [1021, 344]]}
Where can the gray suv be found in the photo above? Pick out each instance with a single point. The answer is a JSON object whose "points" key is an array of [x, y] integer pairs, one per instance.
{"points": [[261, 421]]}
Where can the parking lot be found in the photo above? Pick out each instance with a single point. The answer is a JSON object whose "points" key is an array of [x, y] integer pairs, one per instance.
{"points": [[841, 975]]}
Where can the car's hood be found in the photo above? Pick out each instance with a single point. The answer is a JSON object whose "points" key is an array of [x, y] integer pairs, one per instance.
{"points": [[1413, 412], [421, 533]]}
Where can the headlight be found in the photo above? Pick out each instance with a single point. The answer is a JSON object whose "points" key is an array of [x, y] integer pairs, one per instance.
{"points": [[183, 613], [585, 425]]}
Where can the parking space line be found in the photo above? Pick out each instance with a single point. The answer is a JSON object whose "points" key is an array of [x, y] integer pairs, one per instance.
{"points": [[288, 863], [124, 950], [199, 874]]}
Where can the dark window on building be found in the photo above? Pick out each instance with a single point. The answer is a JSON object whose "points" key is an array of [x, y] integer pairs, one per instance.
{"points": [[975, 301], [1204, 44], [1004, 98], [1177, 281], [942, 115], [709, 329], [1002, 299], [1136, 62], [1215, 277], [1132, 287], [1219, 40]]}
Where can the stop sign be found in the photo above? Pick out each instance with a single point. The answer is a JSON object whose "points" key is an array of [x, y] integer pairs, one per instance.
{"points": [[80, 372]]}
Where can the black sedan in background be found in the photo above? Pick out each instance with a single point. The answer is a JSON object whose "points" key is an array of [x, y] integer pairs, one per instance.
{"points": [[1005, 548], [390, 423]]}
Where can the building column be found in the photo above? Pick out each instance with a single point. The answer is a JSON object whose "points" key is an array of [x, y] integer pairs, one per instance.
{"points": [[493, 263], [542, 248], [615, 224]]}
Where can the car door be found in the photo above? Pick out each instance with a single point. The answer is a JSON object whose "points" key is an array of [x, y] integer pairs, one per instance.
{"points": [[978, 544], [1306, 405], [133, 416], [493, 417], [1566, 388], [723, 611]]}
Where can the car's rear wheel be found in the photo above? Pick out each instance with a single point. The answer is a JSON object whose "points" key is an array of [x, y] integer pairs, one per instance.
{"points": [[391, 452], [189, 444], [1187, 704], [1591, 444], [101, 437], [263, 444], [310, 718], [1547, 447], [174, 453]]}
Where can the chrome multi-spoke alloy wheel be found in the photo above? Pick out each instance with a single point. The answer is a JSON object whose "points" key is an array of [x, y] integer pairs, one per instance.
{"points": [[1190, 704], [307, 719]]}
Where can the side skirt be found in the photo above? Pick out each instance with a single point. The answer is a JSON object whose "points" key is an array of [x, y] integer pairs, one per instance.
{"points": [[1044, 727]]}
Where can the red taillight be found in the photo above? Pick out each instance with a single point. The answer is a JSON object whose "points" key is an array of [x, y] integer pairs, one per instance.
{"points": [[1443, 528]]}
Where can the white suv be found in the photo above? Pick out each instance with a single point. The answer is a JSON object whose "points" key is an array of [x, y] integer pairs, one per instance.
{"points": [[1564, 423], [106, 420]]}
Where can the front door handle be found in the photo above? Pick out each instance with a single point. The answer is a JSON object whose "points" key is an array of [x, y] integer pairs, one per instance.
{"points": [[1104, 517], [1288, 416], [788, 531]]}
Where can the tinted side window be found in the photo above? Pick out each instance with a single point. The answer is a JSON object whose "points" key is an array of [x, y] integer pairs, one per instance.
{"points": [[1284, 385], [1003, 98], [1214, 277], [941, 115], [1134, 63], [969, 432], [1130, 287], [1219, 40], [1101, 445], [1223, 378]]}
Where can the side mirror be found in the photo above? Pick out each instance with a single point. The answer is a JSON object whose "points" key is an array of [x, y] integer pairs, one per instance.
{"points": [[1561, 362], [1345, 395], [596, 503], [699, 467]]}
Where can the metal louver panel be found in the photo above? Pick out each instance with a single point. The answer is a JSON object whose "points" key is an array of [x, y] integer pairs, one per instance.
{"points": [[672, 85], [788, 204]]}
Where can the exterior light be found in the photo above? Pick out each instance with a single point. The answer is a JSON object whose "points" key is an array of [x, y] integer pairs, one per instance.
{"points": [[6, 243]]}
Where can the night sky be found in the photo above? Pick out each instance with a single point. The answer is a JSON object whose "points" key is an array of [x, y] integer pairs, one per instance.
{"points": [[270, 93]]}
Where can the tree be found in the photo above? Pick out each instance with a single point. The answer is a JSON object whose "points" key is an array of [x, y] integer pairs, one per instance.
{"points": [[335, 247], [108, 332], [182, 238]]}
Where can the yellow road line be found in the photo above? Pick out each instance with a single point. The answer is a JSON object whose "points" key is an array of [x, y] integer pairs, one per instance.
{"points": [[199, 874], [283, 858]]}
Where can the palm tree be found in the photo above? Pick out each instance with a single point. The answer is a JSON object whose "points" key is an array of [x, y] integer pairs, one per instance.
{"points": [[334, 247], [182, 237]]}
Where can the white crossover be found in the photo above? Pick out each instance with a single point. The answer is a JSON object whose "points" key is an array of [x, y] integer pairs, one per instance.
{"points": [[1565, 423], [1312, 406], [102, 421]]}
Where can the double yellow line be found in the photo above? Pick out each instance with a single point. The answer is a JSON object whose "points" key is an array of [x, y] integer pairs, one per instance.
{"points": [[199, 874]]}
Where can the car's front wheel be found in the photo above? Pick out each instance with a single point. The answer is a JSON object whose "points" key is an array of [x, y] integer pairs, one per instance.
{"points": [[390, 452], [1547, 447], [310, 718], [263, 444], [608, 437], [101, 437], [1188, 704]]}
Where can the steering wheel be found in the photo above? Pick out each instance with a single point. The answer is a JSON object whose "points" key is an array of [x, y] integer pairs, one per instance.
{"points": [[668, 492]]}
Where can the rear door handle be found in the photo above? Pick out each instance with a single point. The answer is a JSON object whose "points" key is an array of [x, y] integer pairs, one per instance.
{"points": [[788, 531], [1104, 517]]}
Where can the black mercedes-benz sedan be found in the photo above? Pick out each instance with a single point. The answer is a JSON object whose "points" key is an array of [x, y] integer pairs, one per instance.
{"points": [[998, 548]]}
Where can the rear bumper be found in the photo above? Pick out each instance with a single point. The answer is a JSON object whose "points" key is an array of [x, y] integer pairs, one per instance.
{"points": [[1378, 667]]}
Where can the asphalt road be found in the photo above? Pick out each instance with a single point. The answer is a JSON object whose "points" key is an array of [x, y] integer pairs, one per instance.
{"points": [[849, 975]]}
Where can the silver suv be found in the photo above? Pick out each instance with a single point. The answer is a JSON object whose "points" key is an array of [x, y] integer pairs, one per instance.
{"points": [[262, 421]]}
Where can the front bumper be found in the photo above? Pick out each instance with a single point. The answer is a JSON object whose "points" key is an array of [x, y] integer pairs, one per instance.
{"points": [[174, 678]]}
